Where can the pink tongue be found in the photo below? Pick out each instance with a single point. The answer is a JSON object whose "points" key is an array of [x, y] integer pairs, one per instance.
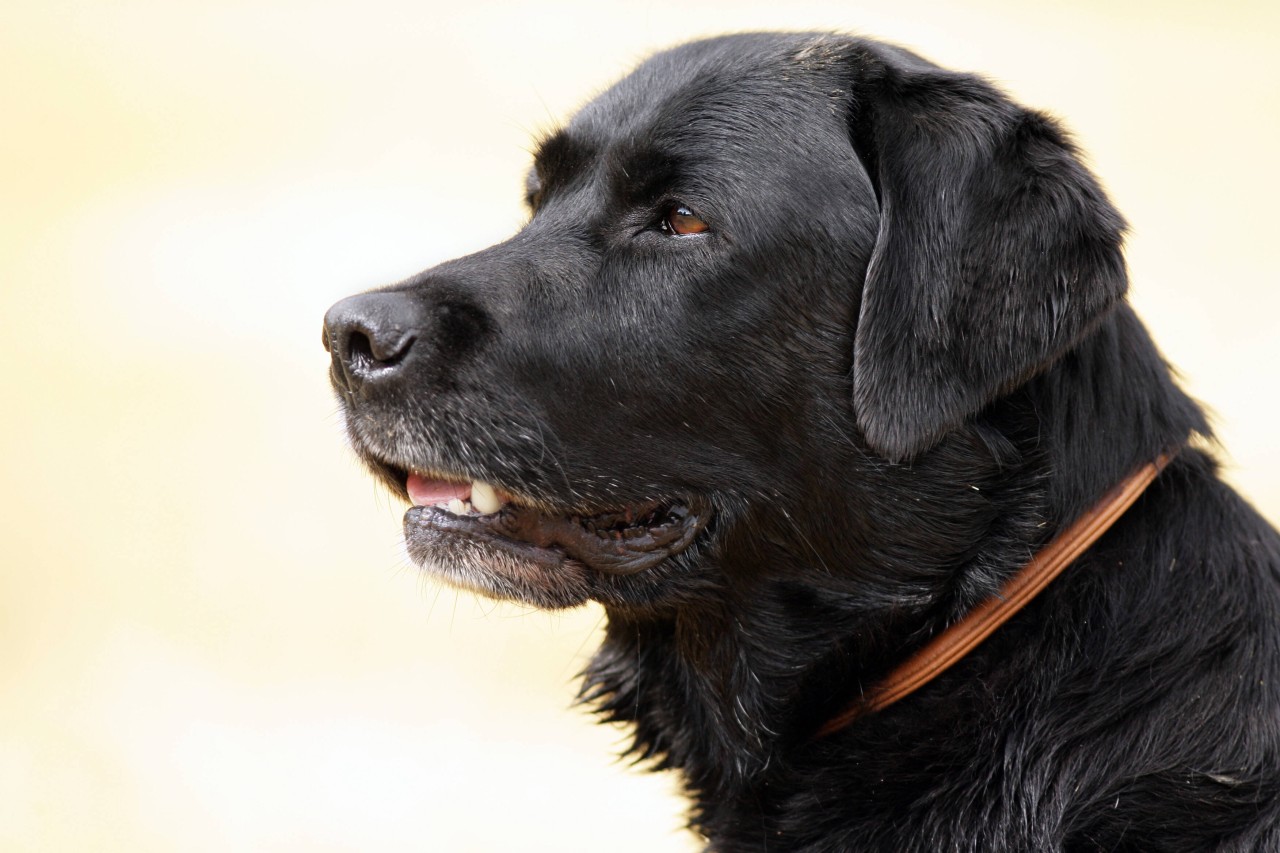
{"points": [[424, 492]]}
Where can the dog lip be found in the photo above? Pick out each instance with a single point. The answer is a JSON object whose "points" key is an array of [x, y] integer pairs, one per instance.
{"points": [[609, 542], [428, 529], [617, 542]]}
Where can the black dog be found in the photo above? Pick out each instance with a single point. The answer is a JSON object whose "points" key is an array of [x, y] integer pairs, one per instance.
{"points": [[808, 347]]}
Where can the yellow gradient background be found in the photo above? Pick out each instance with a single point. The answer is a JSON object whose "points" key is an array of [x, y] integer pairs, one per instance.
{"points": [[210, 639]]}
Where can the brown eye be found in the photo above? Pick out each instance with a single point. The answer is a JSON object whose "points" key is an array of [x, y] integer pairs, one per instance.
{"points": [[681, 220]]}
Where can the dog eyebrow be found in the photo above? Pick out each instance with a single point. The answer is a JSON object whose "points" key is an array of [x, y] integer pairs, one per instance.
{"points": [[559, 157], [646, 173], [639, 173]]}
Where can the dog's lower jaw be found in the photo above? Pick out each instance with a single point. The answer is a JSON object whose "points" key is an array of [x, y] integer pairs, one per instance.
{"points": [[473, 566]]}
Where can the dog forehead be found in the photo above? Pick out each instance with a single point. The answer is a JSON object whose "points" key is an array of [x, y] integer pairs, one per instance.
{"points": [[728, 102], [731, 87]]}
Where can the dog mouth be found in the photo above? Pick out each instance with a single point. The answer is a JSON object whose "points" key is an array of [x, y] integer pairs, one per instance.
{"points": [[448, 515]]}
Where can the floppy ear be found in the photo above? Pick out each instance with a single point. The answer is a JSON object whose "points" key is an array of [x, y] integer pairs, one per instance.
{"points": [[997, 249]]}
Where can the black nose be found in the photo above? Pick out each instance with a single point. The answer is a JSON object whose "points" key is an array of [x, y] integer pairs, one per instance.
{"points": [[370, 337]]}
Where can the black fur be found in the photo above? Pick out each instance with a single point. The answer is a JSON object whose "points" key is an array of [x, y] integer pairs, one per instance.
{"points": [[895, 365]]}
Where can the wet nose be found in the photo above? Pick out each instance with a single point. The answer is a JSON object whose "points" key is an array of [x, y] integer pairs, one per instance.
{"points": [[370, 337]]}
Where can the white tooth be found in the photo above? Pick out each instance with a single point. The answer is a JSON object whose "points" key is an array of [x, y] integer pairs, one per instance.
{"points": [[484, 498], [457, 507]]}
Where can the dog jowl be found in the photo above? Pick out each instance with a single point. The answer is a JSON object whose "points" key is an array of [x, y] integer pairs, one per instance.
{"points": [[807, 347]]}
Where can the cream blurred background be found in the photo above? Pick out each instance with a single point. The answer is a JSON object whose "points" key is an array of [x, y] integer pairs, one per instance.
{"points": [[209, 636]]}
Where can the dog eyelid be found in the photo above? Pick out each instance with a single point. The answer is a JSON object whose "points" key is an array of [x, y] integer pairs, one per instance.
{"points": [[682, 222]]}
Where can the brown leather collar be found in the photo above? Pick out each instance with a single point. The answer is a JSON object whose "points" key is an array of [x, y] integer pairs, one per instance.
{"points": [[959, 639]]}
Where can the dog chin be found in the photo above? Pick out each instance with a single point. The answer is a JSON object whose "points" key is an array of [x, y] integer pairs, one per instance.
{"points": [[509, 571]]}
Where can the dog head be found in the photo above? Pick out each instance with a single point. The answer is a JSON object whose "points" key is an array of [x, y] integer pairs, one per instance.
{"points": [[759, 271]]}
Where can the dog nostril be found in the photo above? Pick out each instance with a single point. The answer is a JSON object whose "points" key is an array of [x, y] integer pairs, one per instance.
{"points": [[360, 351], [367, 353]]}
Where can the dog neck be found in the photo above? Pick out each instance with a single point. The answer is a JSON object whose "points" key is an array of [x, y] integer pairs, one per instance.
{"points": [[960, 638]]}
